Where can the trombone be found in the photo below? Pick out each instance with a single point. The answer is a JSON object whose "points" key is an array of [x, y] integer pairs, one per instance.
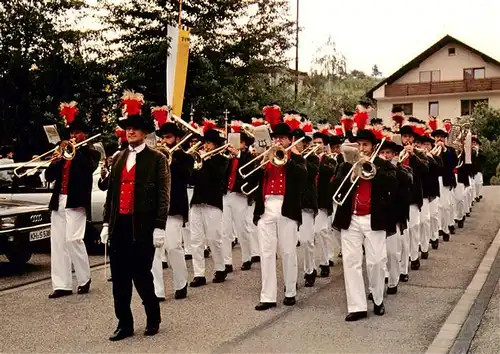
{"points": [[200, 157], [276, 155], [361, 169], [67, 150], [311, 150], [184, 124], [165, 150]]}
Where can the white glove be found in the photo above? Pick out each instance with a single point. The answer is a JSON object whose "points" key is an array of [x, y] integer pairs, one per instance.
{"points": [[104, 233], [158, 238]]}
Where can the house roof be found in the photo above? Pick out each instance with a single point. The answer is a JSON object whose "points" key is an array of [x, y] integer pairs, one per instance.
{"points": [[415, 62]]}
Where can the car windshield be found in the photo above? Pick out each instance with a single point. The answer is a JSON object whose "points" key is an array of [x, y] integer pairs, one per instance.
{"points": [[31, 183]]}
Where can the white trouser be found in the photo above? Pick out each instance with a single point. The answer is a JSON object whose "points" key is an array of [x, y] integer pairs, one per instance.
{"points": [[360, 232], [414, 230], [234, 215], [459, 195], [405, 251], [173, 247], [478, 183], [425, 225], [252, 232], [393, 244], [435, 218], [335, 234], [306, 238], [67, 230], [323, 235], [205, 224], [445, 206], [472, 190], [275, 229]]}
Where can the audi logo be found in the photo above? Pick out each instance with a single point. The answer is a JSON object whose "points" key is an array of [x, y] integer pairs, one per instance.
{"points": [[36, 218]]}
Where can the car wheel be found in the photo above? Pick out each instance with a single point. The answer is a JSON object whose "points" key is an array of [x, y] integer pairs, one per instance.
{"points": [[19, 257]]}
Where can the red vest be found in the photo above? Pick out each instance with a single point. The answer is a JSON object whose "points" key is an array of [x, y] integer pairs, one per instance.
{"points": [[232, 175], [274, 180], [65, 177], [127, 189], [363, 198]]}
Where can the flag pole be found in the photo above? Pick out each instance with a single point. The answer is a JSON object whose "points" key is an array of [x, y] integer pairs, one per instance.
{"points": [[180, 13]]}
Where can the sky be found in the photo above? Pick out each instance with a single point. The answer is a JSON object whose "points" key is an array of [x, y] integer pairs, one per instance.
{"points": [[390, 33]]}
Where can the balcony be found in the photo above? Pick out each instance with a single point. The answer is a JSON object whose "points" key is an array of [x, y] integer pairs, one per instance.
{"points": [[442, 87]]}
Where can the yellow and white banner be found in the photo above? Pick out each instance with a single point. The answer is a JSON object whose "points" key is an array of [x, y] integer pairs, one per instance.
{"points": [[177, 63]]}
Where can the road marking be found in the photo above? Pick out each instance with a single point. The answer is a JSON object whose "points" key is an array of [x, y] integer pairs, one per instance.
{"points": [[444, 341]]}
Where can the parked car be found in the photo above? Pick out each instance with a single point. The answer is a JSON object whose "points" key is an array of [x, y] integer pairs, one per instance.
{"points": [[34, 188], [22, 224]]}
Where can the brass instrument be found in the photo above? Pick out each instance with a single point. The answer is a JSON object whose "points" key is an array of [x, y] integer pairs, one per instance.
{"points": [[165, 150], [438, 150], [183, 124], [364, 169], [248, 129], [403, 155], [312, 149], [66, 149], [200, 157], [276, 154]]}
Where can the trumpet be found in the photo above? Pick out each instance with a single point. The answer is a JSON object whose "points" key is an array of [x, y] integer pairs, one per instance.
{"points": [[66, 149], [165, 150], [403, 155], [276, 155], [312, 149], [361, 169], [248, 129], [200, 157], [438, 150]]}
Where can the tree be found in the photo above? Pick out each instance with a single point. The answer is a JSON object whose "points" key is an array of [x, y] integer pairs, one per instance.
{"points": [[376, 72]]}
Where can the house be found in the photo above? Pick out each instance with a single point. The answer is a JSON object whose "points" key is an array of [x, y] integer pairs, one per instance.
{"points": [[445, 81]]}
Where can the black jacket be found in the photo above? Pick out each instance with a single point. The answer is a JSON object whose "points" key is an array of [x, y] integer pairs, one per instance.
{"points": [[151, 194], [384, 186], [80, 181], [310, 195], [430, 182], [180, 171], [244, 158], [400, 208], [477, 162], [450, 161], [420, 167], [210, 182], [325, 176], [463, 172], [295, 179]]}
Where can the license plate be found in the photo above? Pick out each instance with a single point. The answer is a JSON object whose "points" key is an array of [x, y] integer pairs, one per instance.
{"points": [[39, 235]]}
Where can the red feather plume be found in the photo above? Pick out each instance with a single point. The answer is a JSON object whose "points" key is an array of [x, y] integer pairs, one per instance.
{"points": [[208, 124], [347, 123], [398, 119], [257, 122], [272, 115], [307, 127], [68, 112], [121, 134], [433, 124], [133, 102], [293, 121], [338, 130], [236, 126], [160, 115], [447, 126], [361, 118]]}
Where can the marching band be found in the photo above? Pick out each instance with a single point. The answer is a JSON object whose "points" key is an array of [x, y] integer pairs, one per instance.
{"points": [[359, 188]]}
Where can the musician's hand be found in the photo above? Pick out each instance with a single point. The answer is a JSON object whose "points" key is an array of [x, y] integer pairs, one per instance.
{"points": [[409, 149], [56, 156], [232, 150], [440, 143], [295, 150]]}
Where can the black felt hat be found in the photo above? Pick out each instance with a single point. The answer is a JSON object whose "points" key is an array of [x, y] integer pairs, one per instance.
{"points": [[407, 130], [392, 146], [439, 132], [335, 140], [212, 136], [282, 129], [365, 134], [78, 125], [169, 128], [247, 139], [137, 121]]}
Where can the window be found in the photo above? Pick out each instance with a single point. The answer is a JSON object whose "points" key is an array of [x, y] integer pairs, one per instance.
{"points": [[406, 107], [430, 76], [467, 106], [433, 109], [451, 51], [474, 73]]}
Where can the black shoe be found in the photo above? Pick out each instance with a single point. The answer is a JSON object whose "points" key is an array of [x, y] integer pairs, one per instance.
{"points": [[219, 276], [435, 244], [467, 214], [120, 334], [262, 306], [392, 290], [386, 280], [298, 243], [152, 329], [355, 316], [198, 281], [84, 289], [379, 310], [164, 265], [461, 223], [255, 259], [330, 263], [452, 229], [60, 293], [325, 271], [182, 293], [160, 299], [289, 301], [246, 265], [425, 255], [370, 297], [404, 278], [234, 243], [187, 257], [229, 268], [206, 253], [339, 255], [446, 237], [110, 279], [310, 279], [415, 265]]}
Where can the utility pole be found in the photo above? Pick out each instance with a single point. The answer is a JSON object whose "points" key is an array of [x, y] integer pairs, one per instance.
{"points": [[297, 53]]}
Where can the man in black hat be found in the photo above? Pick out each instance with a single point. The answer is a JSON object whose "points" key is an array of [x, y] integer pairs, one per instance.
{"points": [[70, 204], [135, 216], [205, 218], [478, 159], [236, 204], [447, 182], [180, 172], [278, 215], [335, 142], [363, 219]]}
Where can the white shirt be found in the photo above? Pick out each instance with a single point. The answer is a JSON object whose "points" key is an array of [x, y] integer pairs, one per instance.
{"points": [[132, 155]]}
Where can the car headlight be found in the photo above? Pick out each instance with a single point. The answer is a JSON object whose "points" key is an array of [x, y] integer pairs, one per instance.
{"points": [[8, 222]]}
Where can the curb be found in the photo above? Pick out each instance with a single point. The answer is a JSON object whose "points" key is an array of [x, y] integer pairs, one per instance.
{"points": [[450, 330]]}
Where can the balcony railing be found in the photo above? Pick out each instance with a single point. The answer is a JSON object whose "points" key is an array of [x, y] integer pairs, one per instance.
{"points": [[442, 87]]}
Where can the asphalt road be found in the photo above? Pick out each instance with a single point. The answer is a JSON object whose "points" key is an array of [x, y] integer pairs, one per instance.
{"points": [[221, 318]]}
